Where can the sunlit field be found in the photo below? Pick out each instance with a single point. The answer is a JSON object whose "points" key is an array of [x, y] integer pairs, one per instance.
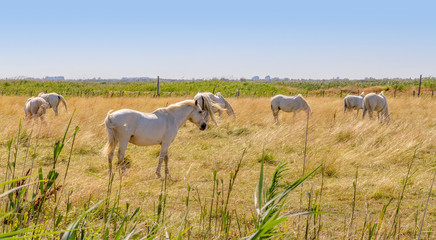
{"points": [[364, 166]]}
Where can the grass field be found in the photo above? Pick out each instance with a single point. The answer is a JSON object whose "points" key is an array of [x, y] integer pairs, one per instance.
{"points": [[342, 144]]}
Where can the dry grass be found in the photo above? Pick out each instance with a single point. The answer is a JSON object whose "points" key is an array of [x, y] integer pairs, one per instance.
{"points": [[343, 143]]}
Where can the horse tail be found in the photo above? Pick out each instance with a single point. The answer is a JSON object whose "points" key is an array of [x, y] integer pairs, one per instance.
{"points": [[345, 104], [228, 106], [63, 101], [110, 145]]}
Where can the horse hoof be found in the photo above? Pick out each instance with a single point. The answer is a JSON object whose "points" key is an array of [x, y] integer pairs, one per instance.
{"points": [[158, 175], [170, 178]]}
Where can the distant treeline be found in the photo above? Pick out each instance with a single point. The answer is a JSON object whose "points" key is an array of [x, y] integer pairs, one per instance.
{"points": [[226, 87]]}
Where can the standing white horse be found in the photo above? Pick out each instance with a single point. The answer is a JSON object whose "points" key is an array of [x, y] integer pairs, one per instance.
{"points": [[35, 107], [353, 102], [216, 103], [373, 102], [288, 104], [145, 129], [53, 100]]}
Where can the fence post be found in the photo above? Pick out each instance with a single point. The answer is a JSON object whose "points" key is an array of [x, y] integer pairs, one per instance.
{"points": [[323, 93], [307, 92], [419, 88], [431, 93], [413, 93], [157, 91], [341, 93]]}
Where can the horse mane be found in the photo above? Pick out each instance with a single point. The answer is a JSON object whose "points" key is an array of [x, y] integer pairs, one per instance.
{"points": [[304, 100], [190, 103], [182, 103], [208, 106]]}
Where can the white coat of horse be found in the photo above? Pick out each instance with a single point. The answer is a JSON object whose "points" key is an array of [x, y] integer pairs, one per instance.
{"points": [[353, 102], [373, 102], [53, 100], [145, 129], [35, 107], [215, 103], [289, 104]]}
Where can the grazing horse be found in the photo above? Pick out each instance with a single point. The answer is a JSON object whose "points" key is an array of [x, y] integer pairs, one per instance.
{"points": [[216, 103], [145, 129], [53, 100], [353, 102], [373, 102], [289, 104], [36, 107]]}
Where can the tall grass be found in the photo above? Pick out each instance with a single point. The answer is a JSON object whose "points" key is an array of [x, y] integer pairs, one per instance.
{"points": [[39, 201]]}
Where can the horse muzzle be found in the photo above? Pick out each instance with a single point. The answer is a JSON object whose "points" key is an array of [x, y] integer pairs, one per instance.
{"points": [[203, 126]]}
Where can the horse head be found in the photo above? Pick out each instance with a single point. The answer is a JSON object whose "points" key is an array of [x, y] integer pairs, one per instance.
{"points": [[197, 116]]}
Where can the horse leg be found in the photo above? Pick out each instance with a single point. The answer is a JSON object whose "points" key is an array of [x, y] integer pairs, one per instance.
{"points": [[276, 116], [275, 113], [167, 170], [55, 109], [162, 155], [121, 151]]}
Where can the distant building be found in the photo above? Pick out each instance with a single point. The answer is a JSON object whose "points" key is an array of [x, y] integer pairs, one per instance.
{"points": [[55, 78], [267, 77], [135, 79], [255, 78]]}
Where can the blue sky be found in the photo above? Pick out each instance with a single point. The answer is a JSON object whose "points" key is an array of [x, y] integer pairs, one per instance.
{"points": [[206, 39]]}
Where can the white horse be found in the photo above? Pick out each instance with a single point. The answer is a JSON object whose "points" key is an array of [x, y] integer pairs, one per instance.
{"points": [[53, 100], [216, 103], [145, 129], [35, 107], [289, 104], [373, 102], [353, 102]]}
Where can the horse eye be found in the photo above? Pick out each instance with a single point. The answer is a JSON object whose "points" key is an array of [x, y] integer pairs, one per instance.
{"points": [[200, 111]]}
